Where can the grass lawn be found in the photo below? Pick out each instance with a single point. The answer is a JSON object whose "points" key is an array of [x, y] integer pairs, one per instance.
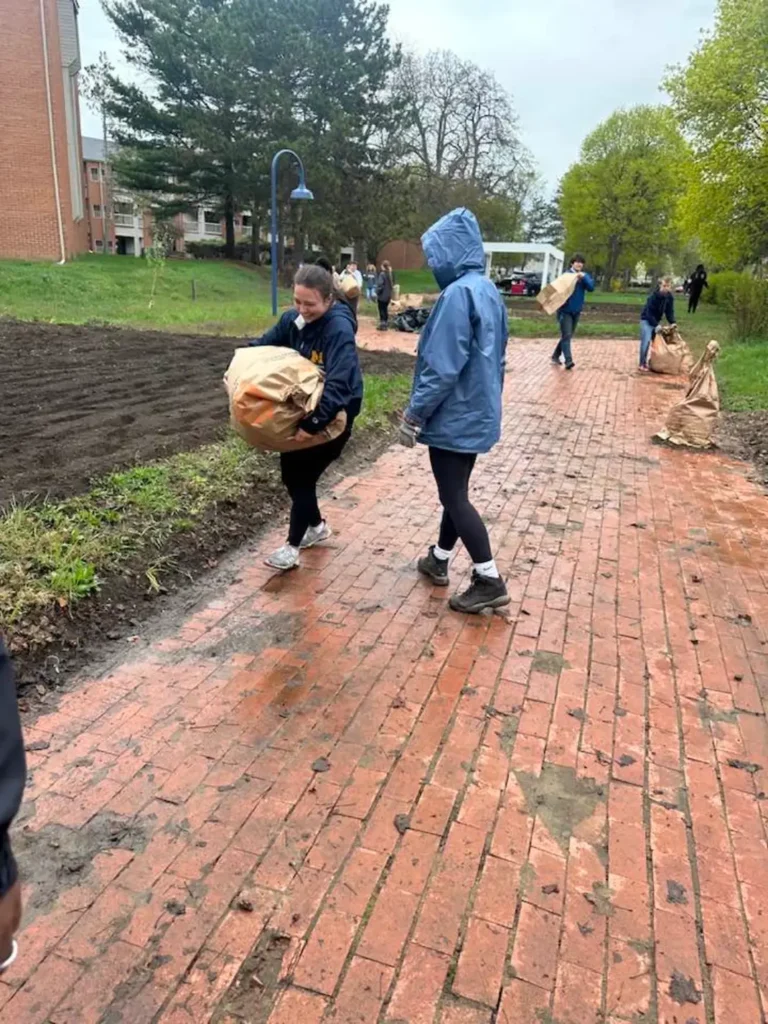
{"points": [[60, 551], [231, 298]]}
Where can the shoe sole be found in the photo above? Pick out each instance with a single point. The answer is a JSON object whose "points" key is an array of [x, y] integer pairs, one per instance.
{"points": [[439, 581], [497, 602], [280, 568], [306, 547]]}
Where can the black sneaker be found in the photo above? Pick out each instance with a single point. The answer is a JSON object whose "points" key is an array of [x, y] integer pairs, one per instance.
{"points": [[569, 366], [556, 360], [483, 592], [435, 569]]}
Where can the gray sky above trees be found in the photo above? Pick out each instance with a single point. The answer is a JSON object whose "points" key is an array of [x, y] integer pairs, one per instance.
{"points": [[568, 64]]}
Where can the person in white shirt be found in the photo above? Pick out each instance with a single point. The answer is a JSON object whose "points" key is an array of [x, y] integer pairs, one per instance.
{"points": [[351, 270]]}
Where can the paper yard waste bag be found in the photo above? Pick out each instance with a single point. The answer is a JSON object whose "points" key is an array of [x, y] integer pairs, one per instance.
{"points": [[349, 287], [407, 302], [692, 421], [556, 293], [271, 390], [669, 353]]}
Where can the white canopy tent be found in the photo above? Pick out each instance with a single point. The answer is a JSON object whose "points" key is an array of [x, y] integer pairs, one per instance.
{"points": [[554, 259]]}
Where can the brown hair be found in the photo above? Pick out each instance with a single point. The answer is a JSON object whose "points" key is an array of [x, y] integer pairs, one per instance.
{"points": [[313, 276]]}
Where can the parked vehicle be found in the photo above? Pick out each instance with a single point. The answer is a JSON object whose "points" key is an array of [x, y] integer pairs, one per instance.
{"points": [[520, 283]]}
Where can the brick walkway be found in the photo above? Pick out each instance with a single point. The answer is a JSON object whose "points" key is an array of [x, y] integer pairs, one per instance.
{"points": [[408, 816]]}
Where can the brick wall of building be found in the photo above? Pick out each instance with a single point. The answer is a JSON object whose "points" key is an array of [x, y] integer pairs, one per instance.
{"points": [[27, 195]]}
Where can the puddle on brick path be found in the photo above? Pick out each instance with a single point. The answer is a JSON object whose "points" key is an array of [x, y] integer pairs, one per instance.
{"points": [[254, 636], [561, 799], [252, 994], [55, 858]]}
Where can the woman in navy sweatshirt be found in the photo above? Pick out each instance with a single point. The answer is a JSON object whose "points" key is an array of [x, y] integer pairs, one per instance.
{"points": [[659, 304]]}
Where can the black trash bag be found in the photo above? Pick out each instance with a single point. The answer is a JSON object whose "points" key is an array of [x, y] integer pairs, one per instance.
{"points": [[411, 320]]}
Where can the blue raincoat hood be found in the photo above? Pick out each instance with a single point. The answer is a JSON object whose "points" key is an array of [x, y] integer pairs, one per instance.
{"points": [[453, 246]]}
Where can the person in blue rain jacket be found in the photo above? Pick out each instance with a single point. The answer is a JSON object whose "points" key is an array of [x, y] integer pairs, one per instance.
{"points": [[456, 400], [569, 313], [322, 329]]}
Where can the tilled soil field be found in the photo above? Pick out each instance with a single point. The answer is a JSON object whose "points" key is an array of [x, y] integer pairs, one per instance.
{"points": [[611, 312], [78, 402]]}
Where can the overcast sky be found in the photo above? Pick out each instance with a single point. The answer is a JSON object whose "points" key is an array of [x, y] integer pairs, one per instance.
{"points": [[567, 64]]}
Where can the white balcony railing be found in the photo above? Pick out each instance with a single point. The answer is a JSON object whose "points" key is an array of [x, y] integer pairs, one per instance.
{"points": [[213, 229], [125, 220]]}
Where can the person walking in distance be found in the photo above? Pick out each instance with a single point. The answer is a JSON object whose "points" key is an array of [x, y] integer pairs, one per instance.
{"points": [[456, 399], [569, 313], [660, 303], [696, 285], [370, 282], [384, 288], [321, 328], [12, 778]]}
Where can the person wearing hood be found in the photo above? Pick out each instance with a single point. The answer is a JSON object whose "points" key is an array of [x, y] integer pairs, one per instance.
{"points": [[696, 285], [12, 778], [456, 400], [321, 328]]}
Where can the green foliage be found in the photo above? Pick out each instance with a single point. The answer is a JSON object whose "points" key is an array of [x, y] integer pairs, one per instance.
{"points": [[619, 202], [721, 288], [721, 98], [750, 310], [229, 299]]}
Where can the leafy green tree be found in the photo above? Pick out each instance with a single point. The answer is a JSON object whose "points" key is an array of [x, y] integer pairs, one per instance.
{"points": [[619, 202], [721, 98]]}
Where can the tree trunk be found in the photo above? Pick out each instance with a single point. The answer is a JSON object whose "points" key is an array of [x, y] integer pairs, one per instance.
{"points": [[614, 252], [254, 233], [229, 220]]}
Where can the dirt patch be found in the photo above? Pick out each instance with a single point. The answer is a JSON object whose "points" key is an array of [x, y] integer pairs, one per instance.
{"points": [[549, 663], [251, 995], [56, 858], [613, 312], [561, 799], [80, 402], [745, 436]]}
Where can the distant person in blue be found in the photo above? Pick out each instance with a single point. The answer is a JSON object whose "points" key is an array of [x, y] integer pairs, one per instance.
{"points": [[659, 304], [456, 400], [569, 313]]}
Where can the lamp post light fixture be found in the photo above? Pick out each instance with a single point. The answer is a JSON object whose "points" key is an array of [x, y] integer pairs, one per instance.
{"points": [[301, 192]]}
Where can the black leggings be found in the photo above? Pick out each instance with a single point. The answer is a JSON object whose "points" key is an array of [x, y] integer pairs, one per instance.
{"points": [[461, 519], [300, 471], [383, 311], [693, 300]]}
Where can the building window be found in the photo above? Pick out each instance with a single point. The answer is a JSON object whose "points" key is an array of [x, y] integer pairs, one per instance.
{"points": [[97, 210], [94, 173], [99, 245]]}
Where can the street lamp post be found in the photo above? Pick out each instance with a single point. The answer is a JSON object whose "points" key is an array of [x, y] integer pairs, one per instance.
{"points": [[302, 192]]}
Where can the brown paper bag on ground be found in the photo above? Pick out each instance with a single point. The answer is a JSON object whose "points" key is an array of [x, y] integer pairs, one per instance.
{"points": [[407, 301], [669, 353], [557, 293], [271, 390], [692, 421]]}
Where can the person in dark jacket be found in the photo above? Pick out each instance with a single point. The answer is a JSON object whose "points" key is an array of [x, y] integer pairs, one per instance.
{"points": [[321, 328], [12, 778], [698, 282], [384, 288], [569, 313], [456, 400], [659, 304]]}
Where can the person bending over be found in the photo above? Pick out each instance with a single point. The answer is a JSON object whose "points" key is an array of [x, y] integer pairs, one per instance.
{"points": [[322, 329], [660, 303], [455, 405]]}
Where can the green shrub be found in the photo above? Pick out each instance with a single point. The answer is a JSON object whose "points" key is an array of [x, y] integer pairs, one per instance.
{"points": [[750, 309], [721, 288]]}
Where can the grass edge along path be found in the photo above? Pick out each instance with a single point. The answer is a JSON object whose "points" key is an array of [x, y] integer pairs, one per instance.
{"points": [[59, 553]]}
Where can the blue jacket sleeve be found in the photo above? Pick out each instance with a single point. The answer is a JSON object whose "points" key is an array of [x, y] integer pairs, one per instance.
{"points": [[589, 282], [340, 360], [444, 355], [670, 310], [12, 768], [279, 334]]}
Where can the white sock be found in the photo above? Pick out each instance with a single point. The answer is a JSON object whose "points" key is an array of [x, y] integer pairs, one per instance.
{"points": [[487, 569], [441, 554]]}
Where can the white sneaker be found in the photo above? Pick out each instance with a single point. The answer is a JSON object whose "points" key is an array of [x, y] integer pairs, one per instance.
{"points": [[316, 535], [283, 559]]}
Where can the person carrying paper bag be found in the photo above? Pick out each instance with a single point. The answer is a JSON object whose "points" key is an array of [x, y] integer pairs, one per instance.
{"points": [[572, 287]]}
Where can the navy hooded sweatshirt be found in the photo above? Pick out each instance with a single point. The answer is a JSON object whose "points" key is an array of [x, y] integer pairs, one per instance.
{"points": [[330, 343]]}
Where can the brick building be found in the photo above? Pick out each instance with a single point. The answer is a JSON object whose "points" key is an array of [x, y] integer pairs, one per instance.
{"points": [[41, 188]]}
